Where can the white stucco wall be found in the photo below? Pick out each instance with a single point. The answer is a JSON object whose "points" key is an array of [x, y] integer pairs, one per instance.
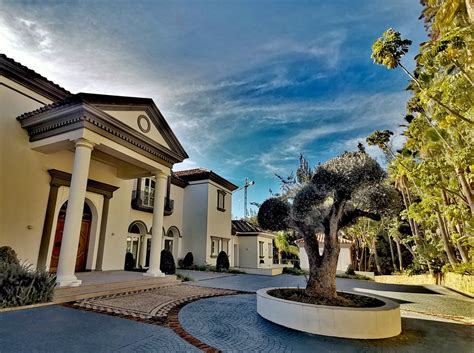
{"points": [[343, 261], [24, 180], [249, 251], [218, 222], [25, 187], [195, 220]]}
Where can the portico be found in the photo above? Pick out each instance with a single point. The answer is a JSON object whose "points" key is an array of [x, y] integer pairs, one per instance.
{"points": [[129, 138]]}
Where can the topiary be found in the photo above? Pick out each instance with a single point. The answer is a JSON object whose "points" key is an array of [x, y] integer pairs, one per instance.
{"points": [[188, 260], [350, 270], [129, 262], [167, 265], [222, 263], [8, 255]]}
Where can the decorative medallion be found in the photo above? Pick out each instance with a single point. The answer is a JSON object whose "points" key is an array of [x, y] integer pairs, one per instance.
{"points": [[144, 123]]}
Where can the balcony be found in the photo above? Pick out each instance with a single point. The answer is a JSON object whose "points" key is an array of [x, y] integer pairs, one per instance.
{"points": [[143, 201]]}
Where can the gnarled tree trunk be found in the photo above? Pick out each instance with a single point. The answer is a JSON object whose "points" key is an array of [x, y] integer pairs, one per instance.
{"points": [[322, 268]]}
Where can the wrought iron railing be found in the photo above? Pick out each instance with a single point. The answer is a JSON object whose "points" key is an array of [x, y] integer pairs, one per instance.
{"points": [[143, 201]]}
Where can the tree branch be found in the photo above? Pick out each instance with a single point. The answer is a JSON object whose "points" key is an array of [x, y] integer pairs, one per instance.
{"points": [[350, 216]]}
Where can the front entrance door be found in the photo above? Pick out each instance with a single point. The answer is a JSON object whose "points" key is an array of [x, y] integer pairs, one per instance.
{"points": [[83, 246]]}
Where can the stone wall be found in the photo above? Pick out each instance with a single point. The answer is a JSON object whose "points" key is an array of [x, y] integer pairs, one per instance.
{"points": [[460, 283]]}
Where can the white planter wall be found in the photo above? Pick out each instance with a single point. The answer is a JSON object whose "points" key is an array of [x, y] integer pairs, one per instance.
{"points": [[360, 323]]}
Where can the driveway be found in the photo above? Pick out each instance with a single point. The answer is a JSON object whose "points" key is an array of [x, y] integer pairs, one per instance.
{"points": [[432, 322], [431, 302]]}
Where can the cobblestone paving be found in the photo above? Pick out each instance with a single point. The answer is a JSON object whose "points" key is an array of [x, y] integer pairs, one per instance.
{"points": [[435, 301], [59, 329], [148, 304], [232, 324]]}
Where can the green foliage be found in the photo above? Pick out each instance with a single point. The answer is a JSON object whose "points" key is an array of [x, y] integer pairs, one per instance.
{"points": [[21, 284], [188, 260], [273, 214], [294, 271], [184, 278], [389, 49], [350, 270], [434, 170], [8, 255], [167, 265], [356, 276], [462, 268], [222, 262], [282, 244]]}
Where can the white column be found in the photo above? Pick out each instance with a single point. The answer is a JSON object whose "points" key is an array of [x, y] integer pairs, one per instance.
{"points": [[142, 260], [157, 230], [75, 206]]}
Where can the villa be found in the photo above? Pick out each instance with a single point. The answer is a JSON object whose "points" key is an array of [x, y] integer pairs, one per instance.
{"points": [[87, 178]]}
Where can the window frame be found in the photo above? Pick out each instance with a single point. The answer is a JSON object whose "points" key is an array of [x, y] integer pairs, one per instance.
{"points": [[221, 196], [148, 192], [261, 249], [216, 253]]}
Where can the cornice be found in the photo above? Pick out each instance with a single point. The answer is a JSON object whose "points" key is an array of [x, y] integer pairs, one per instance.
{"points": [[60, 178], [76, 115], [31, 79]]}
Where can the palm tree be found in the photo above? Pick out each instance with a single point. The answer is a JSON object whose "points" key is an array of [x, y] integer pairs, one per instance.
{"points": [[282, 245]]}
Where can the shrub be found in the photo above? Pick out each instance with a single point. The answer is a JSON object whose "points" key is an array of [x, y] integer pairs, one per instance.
{"points": [[188, 260], [222, 263], [350, 270], [294, 271], [462, 268], [8, 255], [21, 284], [167, 265], [184, 278], [129, 262]]}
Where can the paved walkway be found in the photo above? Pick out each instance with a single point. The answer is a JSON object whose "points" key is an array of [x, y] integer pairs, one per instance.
{"points": [[232, 324], [59, 329]]}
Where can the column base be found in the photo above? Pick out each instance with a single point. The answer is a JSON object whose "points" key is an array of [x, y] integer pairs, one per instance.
{"points": [[68, 281], [151, 273]]}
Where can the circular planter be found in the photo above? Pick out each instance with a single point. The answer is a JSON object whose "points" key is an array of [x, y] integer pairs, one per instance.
{"points": [[364, 323]]}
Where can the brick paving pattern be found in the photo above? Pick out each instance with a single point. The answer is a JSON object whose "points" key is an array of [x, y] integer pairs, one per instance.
{"points": [[149, 304], [434, 301], [231, 324]]}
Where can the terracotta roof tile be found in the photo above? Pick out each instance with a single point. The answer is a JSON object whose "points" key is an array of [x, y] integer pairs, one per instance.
{"points": [[196, 174], [33, 73], [243, 226], [320, 238]]}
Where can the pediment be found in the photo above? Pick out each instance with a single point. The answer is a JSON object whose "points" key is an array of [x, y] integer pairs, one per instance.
{"points": [[134, 122], [141, 122]]}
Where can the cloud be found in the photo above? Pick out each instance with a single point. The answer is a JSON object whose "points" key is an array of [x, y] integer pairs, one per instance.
{"points": [[244, 97]]}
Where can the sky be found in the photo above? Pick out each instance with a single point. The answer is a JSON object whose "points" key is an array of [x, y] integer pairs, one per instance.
{"points": [[247, 86]]}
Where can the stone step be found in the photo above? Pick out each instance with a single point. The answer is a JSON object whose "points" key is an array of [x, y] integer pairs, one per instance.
{"points": [[68, 294]]}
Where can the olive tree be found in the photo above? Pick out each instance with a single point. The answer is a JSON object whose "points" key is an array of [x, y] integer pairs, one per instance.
{"points": [[340, 191]]}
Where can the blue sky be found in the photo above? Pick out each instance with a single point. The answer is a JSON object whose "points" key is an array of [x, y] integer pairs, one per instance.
{"points": [[246, 85]]}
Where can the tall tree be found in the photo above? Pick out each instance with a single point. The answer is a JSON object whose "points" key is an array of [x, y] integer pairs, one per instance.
{"points": [[340, 191]]}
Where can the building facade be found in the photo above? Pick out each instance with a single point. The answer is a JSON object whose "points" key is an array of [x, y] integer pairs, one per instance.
{"points": [[86, 178]]}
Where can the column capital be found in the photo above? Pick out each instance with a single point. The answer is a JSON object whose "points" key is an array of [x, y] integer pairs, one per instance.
{"points": [[159, 174], [82, 142]]}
